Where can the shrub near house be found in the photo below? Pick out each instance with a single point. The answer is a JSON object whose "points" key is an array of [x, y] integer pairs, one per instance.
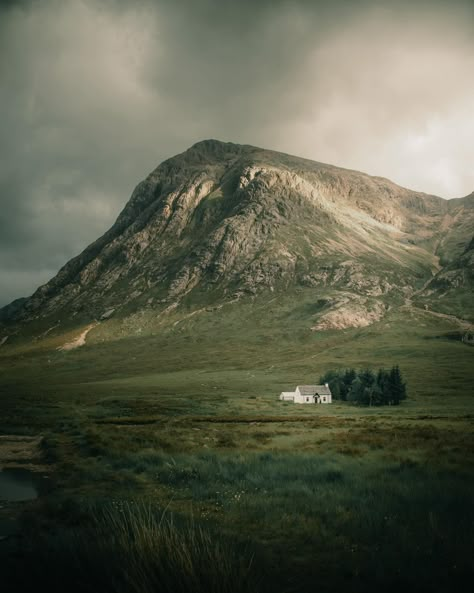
{"points": [[364, 387]]}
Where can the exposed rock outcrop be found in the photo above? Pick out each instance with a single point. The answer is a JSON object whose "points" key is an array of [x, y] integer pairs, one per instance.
{"points": [[221, 221]]}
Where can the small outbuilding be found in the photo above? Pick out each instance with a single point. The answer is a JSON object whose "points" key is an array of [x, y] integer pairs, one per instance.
{"points": [[308, 394]]}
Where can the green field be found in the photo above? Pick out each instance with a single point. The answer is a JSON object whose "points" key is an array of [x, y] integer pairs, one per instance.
{"points": [[185, 417]]}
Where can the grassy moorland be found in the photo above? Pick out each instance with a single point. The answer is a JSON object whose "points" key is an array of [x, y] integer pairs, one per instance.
{"points": [[185, 418]]}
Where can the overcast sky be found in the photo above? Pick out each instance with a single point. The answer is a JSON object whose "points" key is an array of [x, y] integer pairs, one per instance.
{"points": [[95, 93]]}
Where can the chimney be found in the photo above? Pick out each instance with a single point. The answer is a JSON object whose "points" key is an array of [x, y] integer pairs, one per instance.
{"points": [[326, 385]]}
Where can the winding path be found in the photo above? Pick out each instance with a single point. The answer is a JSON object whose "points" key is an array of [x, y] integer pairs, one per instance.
{"points": [[79, 341], [462, 323]]}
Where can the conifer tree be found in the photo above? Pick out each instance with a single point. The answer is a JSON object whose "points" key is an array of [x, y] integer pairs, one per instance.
{"points": [[396, 386], [364, 387], [347, 380], [355, 394]]}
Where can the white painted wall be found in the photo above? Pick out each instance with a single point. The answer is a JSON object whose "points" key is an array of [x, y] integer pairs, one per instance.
{"points": [[297, 398], [303, 399]]}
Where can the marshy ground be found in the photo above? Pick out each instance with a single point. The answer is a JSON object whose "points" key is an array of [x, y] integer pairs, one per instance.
{"points": [[296, 498]]}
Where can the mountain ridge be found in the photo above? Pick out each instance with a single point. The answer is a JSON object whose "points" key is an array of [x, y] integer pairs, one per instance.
{"points": [[222, 221]]}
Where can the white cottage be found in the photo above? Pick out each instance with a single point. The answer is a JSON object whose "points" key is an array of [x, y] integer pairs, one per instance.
{"points": [[308, 394]]}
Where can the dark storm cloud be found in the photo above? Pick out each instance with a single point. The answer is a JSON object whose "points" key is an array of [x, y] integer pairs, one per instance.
{"points": [[95, 94]]}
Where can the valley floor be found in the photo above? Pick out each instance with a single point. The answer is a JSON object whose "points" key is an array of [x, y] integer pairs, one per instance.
{"points": [[307, 498]]}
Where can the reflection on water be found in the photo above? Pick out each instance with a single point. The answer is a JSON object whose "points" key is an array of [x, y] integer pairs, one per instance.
{"points": [[8, 526], [17, 485]]}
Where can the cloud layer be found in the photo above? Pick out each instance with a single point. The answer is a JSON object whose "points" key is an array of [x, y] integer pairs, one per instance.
{"points": [[95, 94]]}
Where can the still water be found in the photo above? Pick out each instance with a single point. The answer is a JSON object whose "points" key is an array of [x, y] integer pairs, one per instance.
{"points": [[16, 485]]}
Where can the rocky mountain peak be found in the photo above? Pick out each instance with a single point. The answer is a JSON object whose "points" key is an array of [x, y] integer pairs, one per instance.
{"points": [[222, 221]]}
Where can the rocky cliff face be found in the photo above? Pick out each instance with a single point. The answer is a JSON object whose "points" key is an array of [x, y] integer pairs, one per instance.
{"points": [[222, 221]]}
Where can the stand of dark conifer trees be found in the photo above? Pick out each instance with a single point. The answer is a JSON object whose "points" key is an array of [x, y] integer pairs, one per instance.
{"points": [[364, 387]]}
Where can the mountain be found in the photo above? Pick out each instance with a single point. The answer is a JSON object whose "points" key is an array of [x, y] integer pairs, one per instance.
{"points": [[451, 290], [223, 222]]}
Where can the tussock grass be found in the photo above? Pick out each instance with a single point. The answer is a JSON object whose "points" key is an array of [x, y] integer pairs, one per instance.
{"points": [[133, 548], [340, 498], [414, 521]]}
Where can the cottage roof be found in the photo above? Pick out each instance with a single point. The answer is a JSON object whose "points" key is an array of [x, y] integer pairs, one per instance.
{"points": [[314, 389]]}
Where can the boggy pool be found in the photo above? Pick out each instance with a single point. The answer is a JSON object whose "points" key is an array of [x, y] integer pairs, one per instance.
{"points": [[17, 485]]}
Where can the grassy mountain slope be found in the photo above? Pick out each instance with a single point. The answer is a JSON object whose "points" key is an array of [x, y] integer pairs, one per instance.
{"points": [[223, 222]]}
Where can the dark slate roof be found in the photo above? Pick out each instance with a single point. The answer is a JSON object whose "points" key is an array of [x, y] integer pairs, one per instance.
{"points": [[314, 389]]}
